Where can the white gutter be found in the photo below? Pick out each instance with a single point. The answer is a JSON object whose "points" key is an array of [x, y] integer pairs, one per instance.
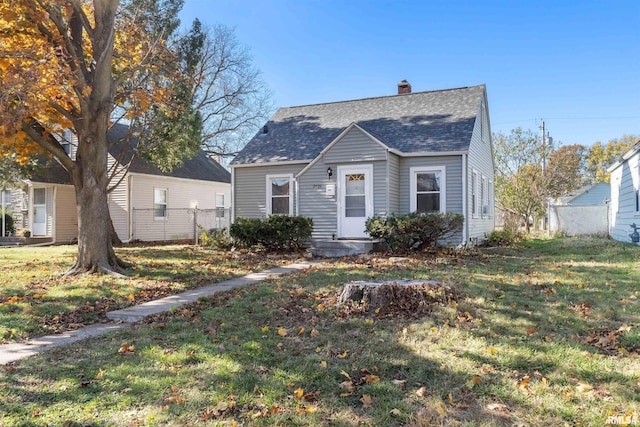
{"points": [[55, 224], [296, 195], [465, 229], [233, 202], [130, 216], [386, 166]]}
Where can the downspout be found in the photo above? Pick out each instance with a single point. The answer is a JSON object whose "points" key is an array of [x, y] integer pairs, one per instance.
{"points": [[54, 222], [465, 229], [386, 156], [30, 212], [232, 208], [297, 199], [130, 216]]}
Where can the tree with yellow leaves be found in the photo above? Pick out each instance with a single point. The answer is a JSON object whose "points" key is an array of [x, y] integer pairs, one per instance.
{"points": [[76, 65]]}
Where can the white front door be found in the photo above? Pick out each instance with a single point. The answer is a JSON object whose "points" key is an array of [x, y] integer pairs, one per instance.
{"points": [[39, 212], [355, 200]]}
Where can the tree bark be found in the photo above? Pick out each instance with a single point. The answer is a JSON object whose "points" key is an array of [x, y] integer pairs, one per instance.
{"points": [[90, 176], [396, 296]]}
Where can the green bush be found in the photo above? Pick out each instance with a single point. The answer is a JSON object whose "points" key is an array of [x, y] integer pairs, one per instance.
{"points": [[276, 232], [505, 237], [7, 222], [414, 231], [215, 238]]}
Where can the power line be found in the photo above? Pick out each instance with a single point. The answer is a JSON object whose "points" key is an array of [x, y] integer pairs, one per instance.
{"points": [[569, 118]]}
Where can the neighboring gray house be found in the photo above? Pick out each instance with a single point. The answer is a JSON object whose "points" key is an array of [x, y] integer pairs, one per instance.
{"points": [[340, 163], [625, 194], [582, 212]]}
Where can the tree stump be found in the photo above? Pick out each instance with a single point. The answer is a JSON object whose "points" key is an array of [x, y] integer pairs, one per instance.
{"points": [[396, 296]]}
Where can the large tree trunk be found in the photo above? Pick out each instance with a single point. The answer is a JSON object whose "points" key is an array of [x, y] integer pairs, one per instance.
{"points": [[90, 177], [95, 248]]}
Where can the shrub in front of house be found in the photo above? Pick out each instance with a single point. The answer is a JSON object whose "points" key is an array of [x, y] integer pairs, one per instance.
{"points": [[505, 237], [215, 238], [6, 224], [414, 231], [276, 232]]}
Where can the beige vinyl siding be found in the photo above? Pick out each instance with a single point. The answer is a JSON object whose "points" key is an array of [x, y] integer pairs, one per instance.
{"points": [[183, 195], [66, 214], [119, 203], [625, 182], [480, 159], [250, 188]]}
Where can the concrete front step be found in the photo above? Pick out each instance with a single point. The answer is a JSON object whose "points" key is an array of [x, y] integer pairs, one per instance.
{"points": [[340, 248], [11, 241]]}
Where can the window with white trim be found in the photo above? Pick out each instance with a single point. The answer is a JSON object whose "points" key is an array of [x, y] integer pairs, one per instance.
{"points": [[160, 203], [280, 194], [427, 189], [219, 205], [484, 199], [474, 194]]}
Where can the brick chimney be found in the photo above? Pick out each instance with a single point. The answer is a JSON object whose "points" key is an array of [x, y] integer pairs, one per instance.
{"points": [[404, 87]]}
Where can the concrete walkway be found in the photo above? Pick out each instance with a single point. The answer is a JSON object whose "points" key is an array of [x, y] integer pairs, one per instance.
{"points": [[122, 318]]}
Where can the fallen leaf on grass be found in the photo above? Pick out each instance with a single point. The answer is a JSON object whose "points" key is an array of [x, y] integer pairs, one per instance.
{"points": [[298, 393], [523, 384], [366, 401], [584, 387], [371, 379], [498, 407], [282, 331]]}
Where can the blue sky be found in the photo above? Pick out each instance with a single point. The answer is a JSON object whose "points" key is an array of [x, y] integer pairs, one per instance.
{"points": [[575, 64]]}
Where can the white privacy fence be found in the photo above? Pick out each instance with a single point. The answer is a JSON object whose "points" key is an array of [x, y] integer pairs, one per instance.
{"points": [[579, 220], [176, 224]]}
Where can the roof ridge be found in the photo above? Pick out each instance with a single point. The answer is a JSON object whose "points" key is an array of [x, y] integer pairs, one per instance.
{"points": [[383, 96]]}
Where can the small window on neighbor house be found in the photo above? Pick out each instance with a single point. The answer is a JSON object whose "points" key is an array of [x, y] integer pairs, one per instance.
{"points": [[160, 203], [638, 200], [279, 197], [220, 205]]}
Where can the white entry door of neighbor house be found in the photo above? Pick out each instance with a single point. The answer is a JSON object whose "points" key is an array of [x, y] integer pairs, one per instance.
{"points": [[355, 200], [39, 212]]}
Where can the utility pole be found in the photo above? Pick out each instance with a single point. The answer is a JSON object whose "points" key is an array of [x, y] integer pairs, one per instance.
{"points": [[544, 150], [546, 224]]}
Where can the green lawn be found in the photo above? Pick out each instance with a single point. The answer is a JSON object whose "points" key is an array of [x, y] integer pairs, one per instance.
{"points": [[35, 300], [547, 333]]}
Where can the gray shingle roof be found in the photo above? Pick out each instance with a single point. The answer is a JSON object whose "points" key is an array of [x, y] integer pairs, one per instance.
{"points": [[434, 121], [201, 167]]}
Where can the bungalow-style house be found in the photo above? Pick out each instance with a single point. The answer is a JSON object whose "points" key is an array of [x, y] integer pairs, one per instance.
{"points": [[147, 204], [624, 208], [340, 163]]}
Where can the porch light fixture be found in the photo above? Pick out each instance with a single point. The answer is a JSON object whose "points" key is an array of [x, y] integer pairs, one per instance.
{"points": [[329, 173]]}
